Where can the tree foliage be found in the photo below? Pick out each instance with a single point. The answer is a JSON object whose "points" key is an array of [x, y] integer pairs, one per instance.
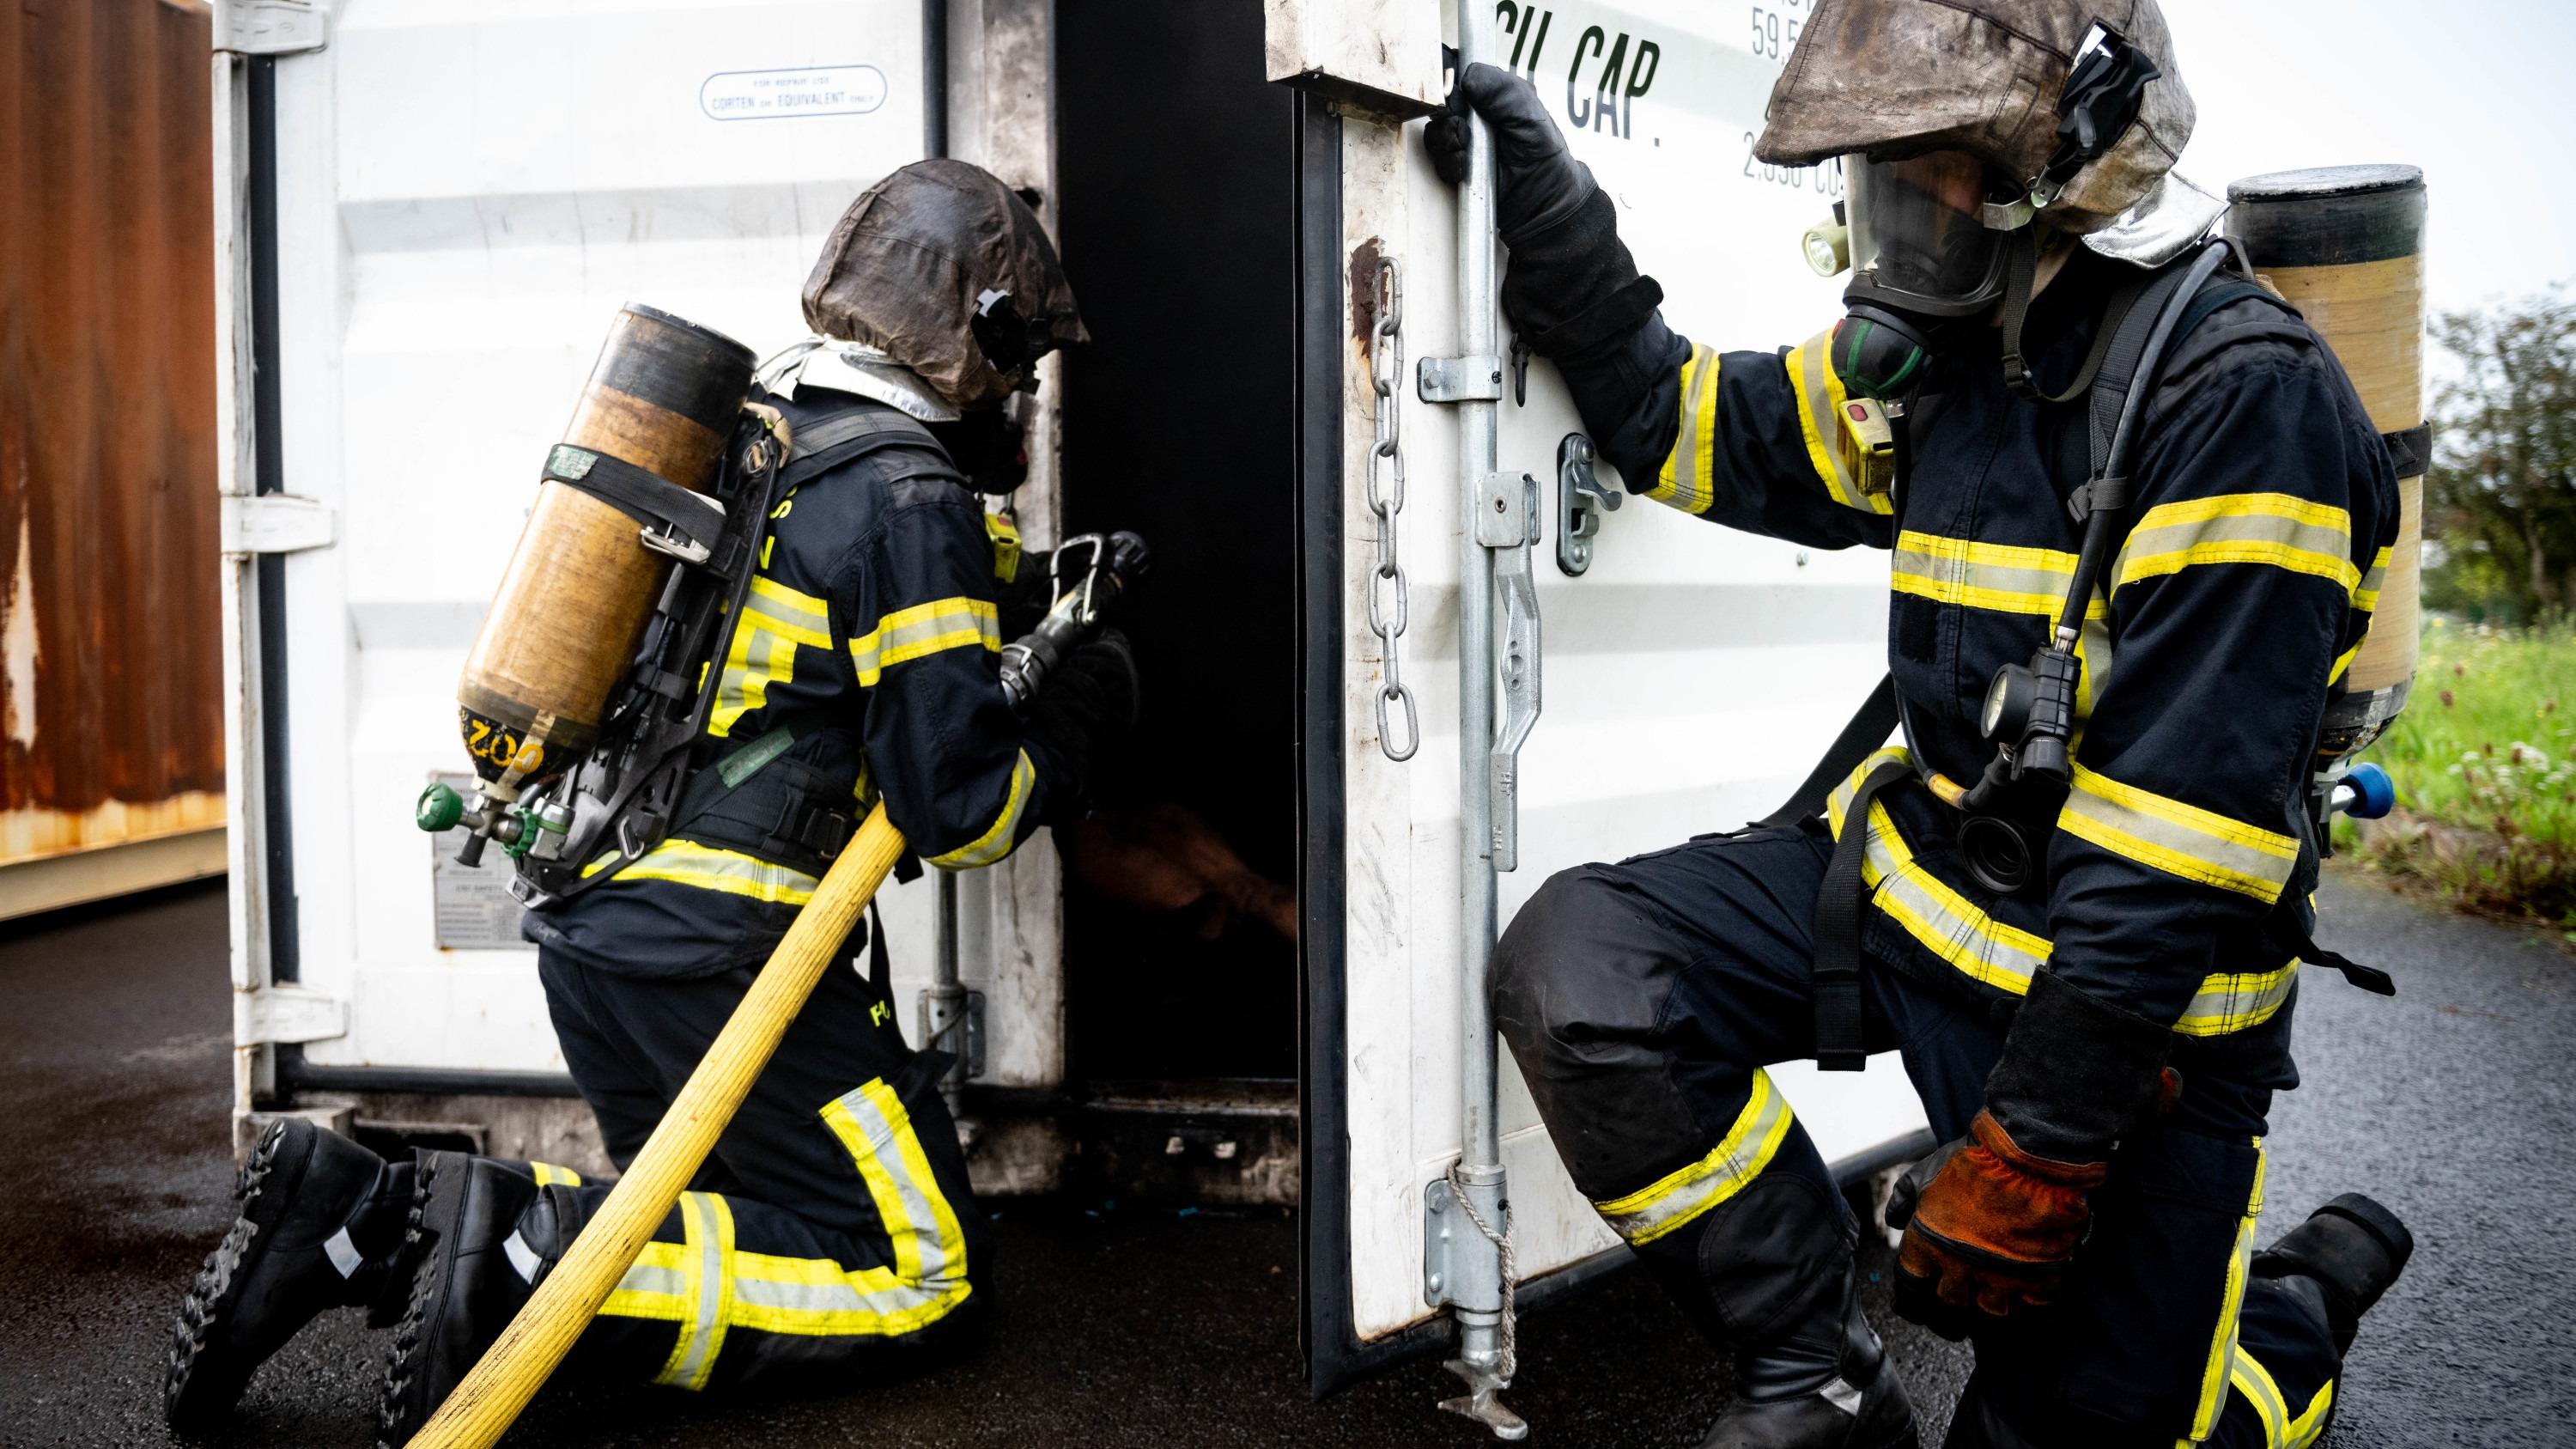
{"points": [[2500, 501]]}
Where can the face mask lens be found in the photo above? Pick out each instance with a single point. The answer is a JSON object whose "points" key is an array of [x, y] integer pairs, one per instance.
{"points": [[1001, 333], [1918, 235]]}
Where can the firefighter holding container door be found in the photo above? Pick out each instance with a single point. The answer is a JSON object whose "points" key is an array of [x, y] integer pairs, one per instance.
{"points": [[830, 636], [2139, 523]]}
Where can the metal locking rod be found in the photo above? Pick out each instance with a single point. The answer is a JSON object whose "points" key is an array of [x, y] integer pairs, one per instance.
{"points": [[1510, 507], [1479, 1297]]}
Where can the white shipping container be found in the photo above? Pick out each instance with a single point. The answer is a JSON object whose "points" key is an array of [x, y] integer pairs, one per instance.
{"points": [[435, 206]]}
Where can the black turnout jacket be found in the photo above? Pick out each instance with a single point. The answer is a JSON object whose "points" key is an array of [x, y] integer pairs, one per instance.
{"points": [[872, 637], [2248, 562]]}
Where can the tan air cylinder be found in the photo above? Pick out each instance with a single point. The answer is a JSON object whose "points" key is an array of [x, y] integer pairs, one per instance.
{"points": [[2345, 245], [572, 607]]}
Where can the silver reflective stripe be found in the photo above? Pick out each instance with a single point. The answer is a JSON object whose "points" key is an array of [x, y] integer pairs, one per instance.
{"points": [[1818, 395], [1984, 576], [708, 1244], [343, 1253], [650, 1278], [1690, 488], [2266, 528], [1947, 923], [2228, 1003], [2178, 839], [833, 1297], [522, 1257], [920, 1214]]}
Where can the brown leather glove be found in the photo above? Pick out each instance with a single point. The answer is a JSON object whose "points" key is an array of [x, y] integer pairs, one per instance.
{"points": [[1992, 1220], [1989, 1228]]}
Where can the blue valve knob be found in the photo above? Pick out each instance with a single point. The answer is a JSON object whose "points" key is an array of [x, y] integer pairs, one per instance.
{"points": [[2365, 793]]}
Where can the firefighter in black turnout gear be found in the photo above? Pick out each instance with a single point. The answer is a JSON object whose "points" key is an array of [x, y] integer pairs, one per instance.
{"points": [[833, 1223], [2085, 946]]}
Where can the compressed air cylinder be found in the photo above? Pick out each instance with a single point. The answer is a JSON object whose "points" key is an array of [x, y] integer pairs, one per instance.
{"points": [[2345, 245], [573, 605]]}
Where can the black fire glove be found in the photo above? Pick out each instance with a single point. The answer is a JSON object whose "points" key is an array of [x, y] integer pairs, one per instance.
{"points": [[1571, 282], [1093, 699]]}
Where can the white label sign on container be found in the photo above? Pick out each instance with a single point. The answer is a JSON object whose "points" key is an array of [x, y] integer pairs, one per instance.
{"points": [[764, 95]]}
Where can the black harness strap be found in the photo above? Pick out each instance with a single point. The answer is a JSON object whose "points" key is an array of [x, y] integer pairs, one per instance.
{"points": [[639, 493], [2410, 452], [1839, 1037], [1869, 728], [849, 433]]}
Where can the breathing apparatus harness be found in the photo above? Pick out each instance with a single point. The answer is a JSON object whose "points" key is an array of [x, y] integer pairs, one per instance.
{"points": [[1882, 350]]}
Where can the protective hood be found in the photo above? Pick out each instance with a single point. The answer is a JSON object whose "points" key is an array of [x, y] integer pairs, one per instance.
{"points": [[918, 255], [1897, 78]]}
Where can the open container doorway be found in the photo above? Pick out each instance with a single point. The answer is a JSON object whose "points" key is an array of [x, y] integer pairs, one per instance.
{"points": [[1177, 161]]}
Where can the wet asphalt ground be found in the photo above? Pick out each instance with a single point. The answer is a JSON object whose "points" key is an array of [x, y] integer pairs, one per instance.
{"points": [[2455, 1104]]}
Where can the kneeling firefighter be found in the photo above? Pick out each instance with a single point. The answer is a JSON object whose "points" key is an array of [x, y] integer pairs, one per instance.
{"points": [[836, 639], [2139, 522]]}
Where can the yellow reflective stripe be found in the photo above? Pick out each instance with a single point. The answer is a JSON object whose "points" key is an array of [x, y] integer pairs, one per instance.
{"points": [[1685, 481], [2093, 653], [2305, 1430], [2222, 1347], [924, 1236], [1957, 931], [711, 868], [2006, 578], [816, 1298], [1006, 545], [2179, 839], [776, 621], [1947, 923], [2366, 596], [2233, 1002], [655, 1286], [2262, 528], [2254, 1384], [2344, 660], [547, 1175], [925, 629], [921, 1228], [996, 842], [1683, 1195], [1820, 404], [707, 1224]]}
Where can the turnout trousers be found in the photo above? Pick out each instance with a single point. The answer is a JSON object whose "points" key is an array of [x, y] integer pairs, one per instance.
{"points": [[1644, 1000], [833, 1221]]}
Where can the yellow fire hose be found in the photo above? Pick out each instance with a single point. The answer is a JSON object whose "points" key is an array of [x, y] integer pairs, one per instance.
{"points": [[512, 1369]]}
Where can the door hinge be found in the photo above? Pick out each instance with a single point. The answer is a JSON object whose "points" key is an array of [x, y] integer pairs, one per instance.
{"points": [[275, 523], [273, 1015], [271, 27]]}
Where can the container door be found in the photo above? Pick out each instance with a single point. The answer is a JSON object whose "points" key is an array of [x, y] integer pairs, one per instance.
{"points": [[1689, 676], [445, 206]]}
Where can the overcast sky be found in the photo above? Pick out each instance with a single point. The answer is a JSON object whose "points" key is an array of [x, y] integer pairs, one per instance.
{"points": [[2479, 93]]}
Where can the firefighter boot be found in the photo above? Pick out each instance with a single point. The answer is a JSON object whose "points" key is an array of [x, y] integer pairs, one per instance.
{"points": [[318, 1224], [1768, 1275], [2347, 1254], [476, 1266], [1827, 1385]]}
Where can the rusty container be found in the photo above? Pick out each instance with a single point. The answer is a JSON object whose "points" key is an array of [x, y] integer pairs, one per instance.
{"points": [[572, 607], [2345, 245]]}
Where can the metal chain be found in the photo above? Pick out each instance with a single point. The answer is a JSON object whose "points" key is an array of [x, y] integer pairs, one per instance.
{"points": [[1510, 1358], [1386, 500]]}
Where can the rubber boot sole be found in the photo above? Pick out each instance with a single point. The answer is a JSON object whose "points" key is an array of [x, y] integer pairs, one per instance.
{"points": [[397, 1418], [199, 1388]]}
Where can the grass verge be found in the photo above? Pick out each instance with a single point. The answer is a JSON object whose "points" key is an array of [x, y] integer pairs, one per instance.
{"points": [[2485, 763]]}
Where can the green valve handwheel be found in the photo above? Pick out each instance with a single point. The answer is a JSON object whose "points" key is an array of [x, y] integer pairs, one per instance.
{"points": [[440, 808]]}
